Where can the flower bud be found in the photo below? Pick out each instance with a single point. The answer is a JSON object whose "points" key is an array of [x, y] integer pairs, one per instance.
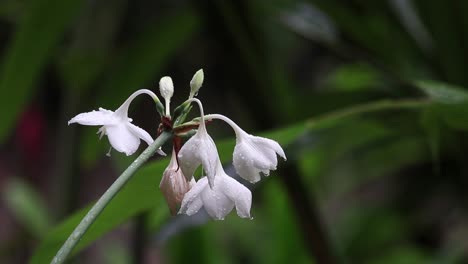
{"points": [[173, 185], [196, 82], [166, 87]]}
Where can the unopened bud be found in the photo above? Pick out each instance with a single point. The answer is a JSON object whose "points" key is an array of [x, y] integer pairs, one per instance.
{"points": [[196, 82], [166, 87], [174, 185]]}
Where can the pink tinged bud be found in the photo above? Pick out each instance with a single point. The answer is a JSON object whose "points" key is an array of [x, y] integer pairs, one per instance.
{"points": [[174, 185]]}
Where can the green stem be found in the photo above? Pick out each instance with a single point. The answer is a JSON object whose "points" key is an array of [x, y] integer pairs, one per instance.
{"points": [[94, 212], [330, 118]]}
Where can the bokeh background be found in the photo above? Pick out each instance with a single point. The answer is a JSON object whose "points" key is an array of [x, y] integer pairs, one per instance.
{"points": [[366, 97]]}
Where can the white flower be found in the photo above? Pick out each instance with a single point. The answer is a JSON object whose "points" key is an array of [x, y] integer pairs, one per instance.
{"points": [[252, 154], [173, 184], [219, 200], [199, 149], [123, 135]]}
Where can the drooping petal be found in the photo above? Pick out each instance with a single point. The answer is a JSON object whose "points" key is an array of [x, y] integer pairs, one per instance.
{"points": [[238, 193], [122, 139], [140, 133], [256, 156], [243, 164], [219, 200], [267, 143], [200, 149], [216, 203], [102, 117], [192, 201]]}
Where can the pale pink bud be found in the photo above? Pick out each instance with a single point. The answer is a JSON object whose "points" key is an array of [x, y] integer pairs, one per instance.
{"points": [[174, 184]]}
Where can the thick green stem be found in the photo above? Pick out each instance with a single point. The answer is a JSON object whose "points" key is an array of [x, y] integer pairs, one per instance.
{"points": [[94, 212]]}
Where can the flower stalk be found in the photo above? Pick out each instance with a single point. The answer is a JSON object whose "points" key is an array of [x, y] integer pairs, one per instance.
{"points": [[99, 206]]}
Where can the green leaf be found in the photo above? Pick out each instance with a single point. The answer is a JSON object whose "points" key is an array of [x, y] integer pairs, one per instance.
{"points": [[452, 102], [27, 206], [353, 77], [442, 92], [285, 242], [44, 24]]}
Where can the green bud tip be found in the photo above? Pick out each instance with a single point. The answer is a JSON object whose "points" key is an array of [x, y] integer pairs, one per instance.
{"points": [[196, 82]]}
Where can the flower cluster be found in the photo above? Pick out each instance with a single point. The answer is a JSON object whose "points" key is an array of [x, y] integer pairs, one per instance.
{"points": [[217, 192]]}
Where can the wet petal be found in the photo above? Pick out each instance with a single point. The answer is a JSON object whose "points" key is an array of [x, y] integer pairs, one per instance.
{"points": [[239, 194], [192, 201], [122, 139], [95, 118], [216, 203], [267, 143], [253, 155], [200, 149], [140, 133], [259, 157], [243, 164]]}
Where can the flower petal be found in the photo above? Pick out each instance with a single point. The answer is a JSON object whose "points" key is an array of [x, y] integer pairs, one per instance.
{"points": [[260, 157], [192, 201], [122, 139], [238, 193], [253, 155], [95, 118], [216, 203], [200, 149], [193, 207], [269, 144], [140, 133], [244, 163]]}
